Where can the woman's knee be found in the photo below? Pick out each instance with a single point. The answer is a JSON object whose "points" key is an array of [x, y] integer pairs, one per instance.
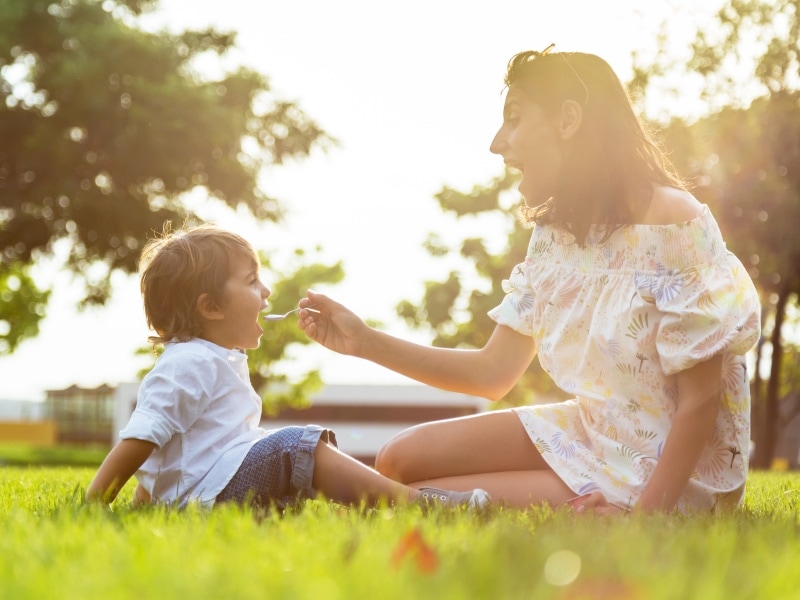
{"points": [[395, 459]]}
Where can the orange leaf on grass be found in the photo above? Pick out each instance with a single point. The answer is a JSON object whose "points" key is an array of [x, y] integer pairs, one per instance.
{"points": [[414, 545]]}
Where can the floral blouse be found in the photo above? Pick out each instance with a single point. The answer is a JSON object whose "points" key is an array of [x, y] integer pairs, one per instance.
{"points": [[613, 323]]}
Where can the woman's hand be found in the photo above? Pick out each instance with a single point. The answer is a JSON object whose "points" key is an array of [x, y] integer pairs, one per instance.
{"points": [[334, 326], [596, 503]]}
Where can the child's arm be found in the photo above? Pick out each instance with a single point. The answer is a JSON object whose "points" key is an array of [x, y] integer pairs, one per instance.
{"points": [[117, 468]]}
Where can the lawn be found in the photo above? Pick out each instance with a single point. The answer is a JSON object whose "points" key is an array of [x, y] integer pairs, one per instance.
{"points": [[52, 546]]}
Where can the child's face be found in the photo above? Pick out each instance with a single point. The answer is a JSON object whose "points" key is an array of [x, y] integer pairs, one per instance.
{"points": [[243, 298]]}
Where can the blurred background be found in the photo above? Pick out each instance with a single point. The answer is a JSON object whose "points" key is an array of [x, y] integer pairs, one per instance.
{"points": [[348, 141]]}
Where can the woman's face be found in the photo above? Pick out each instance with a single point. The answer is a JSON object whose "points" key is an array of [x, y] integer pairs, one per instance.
{"points": [[530, 142]]}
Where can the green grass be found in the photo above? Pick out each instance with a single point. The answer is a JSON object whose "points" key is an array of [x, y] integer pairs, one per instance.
{"points": [[30, 455], [52, 546]]}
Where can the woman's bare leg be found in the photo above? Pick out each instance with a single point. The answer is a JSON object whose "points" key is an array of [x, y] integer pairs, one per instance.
{"points": [[485, 443], [491, 451], [517, 489]]}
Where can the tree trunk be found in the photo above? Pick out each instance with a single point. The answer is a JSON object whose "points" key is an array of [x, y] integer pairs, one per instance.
{"points": [[757, 433], [772, 413]]}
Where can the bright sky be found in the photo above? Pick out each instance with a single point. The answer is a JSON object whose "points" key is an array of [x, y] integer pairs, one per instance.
{"points": [[413, 92]]}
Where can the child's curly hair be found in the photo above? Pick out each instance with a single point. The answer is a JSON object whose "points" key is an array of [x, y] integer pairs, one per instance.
{"points": [[177, 267]]}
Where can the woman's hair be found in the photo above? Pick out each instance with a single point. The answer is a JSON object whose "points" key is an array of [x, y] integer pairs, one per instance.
{"points": [[177, 268], [611, 158]]}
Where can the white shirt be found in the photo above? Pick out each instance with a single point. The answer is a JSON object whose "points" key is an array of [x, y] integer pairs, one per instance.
{"points": [[198, 407]]}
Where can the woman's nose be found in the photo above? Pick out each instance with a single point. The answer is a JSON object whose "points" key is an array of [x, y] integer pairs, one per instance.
{"points": [[498, 144]]}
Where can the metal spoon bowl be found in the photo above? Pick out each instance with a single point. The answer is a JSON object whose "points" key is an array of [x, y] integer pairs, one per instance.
{"points": [[277, 317]]}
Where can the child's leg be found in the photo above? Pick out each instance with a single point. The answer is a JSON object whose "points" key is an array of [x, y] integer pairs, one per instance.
{"points": [[278, 468], [299, 461], [344, 479]]}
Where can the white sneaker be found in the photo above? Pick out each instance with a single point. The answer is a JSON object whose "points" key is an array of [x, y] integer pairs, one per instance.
{"points": [[474, 499]]}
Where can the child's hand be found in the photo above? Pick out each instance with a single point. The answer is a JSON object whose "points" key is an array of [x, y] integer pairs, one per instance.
{"points": [[141, 497], [334, 326]]}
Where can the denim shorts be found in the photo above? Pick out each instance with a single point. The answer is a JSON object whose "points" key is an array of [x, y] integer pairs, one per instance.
{"points": [[279, 468]]}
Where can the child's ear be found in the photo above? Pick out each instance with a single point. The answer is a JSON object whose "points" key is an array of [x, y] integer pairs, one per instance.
{"points": [[208, 309]]}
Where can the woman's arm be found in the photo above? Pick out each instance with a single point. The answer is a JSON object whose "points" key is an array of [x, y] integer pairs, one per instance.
{"points": [[117, 468], [489, 372], [699, 398]]}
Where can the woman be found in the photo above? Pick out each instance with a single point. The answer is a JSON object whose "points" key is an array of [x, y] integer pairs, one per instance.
{"points": [[627, 295]]}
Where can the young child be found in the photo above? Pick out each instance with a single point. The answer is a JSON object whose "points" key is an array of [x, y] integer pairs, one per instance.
{"points": [[194, 435]]}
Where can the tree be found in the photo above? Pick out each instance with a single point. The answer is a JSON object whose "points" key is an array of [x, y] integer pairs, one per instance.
{"points": [[107, 131], [743, 155], [21, 303], [746, 163], [457, 316], [265, 374], [745, 159]]}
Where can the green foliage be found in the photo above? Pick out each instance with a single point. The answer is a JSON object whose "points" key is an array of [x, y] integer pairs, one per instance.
{"points": [[754, 36], [277, 388], [746, 165], [22, 305], [745, 161], [107, 129], [457, 316], [745, 157], [54, 547], [791, 373]]}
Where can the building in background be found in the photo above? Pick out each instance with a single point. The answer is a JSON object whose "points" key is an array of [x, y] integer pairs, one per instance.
{"points": [[25, 422], [82, 416], [22, 410], [365, 416], [362, 416]]}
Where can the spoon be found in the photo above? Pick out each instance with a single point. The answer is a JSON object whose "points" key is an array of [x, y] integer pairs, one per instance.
{"points": [[283, 316]]}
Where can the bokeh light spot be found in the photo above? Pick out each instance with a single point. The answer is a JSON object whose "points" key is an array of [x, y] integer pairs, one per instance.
{"points": [[562, 567]]}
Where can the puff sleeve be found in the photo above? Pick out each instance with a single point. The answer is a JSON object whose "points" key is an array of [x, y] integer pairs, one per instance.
{"points": [[516, 309], [706, 310]]}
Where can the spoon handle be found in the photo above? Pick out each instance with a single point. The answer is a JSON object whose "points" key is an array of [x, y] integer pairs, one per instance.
{"points": [[283, 316]]}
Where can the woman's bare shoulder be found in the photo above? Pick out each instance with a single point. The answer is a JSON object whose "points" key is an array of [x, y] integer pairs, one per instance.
{"points": [[670, 205]]}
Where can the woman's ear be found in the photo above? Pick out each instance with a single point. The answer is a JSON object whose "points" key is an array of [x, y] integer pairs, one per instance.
{"points": [[208, 309], [571, 119]]}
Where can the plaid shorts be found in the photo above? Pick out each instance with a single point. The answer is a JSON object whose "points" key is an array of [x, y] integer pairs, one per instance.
{"points": [[278, 469]]}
